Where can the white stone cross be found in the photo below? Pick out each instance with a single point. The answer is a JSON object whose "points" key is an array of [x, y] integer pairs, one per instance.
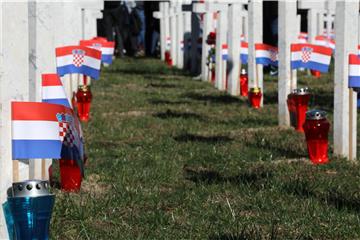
{"points": [[345, 99], [287, 34], [255, 9]]}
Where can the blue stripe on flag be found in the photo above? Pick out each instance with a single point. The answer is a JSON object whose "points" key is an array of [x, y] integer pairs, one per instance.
{"points": [[354, 81], [244, 58], [107, 58], [266, 61], [225, 57], [24, 149], [60, 101], [310, 65], [91, 72]]}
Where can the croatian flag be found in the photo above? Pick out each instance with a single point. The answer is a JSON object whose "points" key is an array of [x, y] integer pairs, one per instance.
{"points": [[303, 37], [310, 56], [101, 39], [324, 41], [354, 71], [78, 59], [106, 48], [224, 52], [45, 130], [266, 54], [168, 43], [242, 37], [244, 51], [53, 90]]}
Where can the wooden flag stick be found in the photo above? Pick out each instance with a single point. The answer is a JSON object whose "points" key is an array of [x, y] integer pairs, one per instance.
{"points": [[256, 75], [224, 75], [43, 169], [351, 114], [16, 171]]}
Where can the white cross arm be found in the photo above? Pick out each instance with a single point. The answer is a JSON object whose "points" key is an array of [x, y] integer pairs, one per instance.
{"points": [[199, 8], [311, 4], [158, 15]]}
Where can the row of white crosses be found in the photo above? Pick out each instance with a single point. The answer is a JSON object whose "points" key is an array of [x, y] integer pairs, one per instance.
{"points": [[29, 34], [175, 30], [346, 29], [228, 22]]}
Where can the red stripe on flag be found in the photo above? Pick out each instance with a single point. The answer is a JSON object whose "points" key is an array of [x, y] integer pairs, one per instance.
{"points": [[37, 111], [87, 43], [244, 44], [318, 49], [50, 79], [262, 46], [224, 46], [102, 39], [354, 59], [63, 51]]}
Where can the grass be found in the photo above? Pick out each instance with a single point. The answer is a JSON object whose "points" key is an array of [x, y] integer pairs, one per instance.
{"points": [[173, 158]]}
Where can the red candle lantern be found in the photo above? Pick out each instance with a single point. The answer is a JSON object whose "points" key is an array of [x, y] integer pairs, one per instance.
{"points": [[301, 100], [315, 73], [84, 97], [213, 75], [73, 100], [168, 58], [243, 83], [292, 109], [70, 176], [316, 129], [255, 97]]}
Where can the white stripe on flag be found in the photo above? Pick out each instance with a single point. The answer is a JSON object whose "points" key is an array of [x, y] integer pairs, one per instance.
{"points": [[262, 53], [244, 50], [35, 130], [354, 70], [92, 62], [107, 51], [53, 92], [315, 57], [68, 60]]}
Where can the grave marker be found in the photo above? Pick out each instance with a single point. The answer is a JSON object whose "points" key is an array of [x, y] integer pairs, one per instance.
{"points": [[287, 35], [255, 8], [345, 99], [14, 81]]}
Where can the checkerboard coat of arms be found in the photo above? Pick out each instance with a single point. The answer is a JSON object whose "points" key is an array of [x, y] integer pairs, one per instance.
{"points": [[67, 131], [273, 55], [306, 54], [78, 57]]}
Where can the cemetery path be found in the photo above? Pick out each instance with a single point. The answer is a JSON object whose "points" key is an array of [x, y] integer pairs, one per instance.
{"points": [[173, 158]]}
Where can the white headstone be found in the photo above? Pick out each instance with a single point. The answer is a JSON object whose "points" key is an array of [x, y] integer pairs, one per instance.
{"points": [[345, 100], [235, 20], [287, 35], [221, 38], [14, 85], [180, 35], [255, 74]]}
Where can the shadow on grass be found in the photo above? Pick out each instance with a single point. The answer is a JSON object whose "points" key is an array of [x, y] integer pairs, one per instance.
{"points": [[163, 85], [213, 98], [166, 102], [172, 114], [271, 98], [248, 232], [205, 139], [341, 200], [324, 100], [277, 145], [202, 175]]}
